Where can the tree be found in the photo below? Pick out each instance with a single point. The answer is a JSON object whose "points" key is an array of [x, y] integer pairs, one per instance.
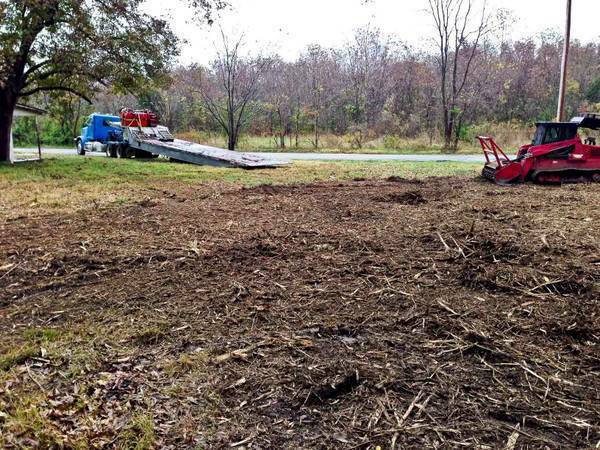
{"points": [[458, 39], [230, 90], [279, 91], [77, 46], [166, 103], [68, 111], [318, 69], [593, 92], [368, 59]]}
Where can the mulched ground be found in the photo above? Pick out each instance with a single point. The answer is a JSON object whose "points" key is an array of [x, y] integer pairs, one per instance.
{"points": [[437, 313]]}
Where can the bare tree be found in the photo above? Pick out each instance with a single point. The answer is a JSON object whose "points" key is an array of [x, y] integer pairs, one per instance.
{"points": [[318, 69], [459, 35], [278, 91], [368, 59], [230, 98]]}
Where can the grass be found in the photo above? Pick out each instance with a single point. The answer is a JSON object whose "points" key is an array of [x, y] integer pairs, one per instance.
{"points": [[26, 419], [39, 335], [24, 410], [72, 169], [68, 182], [330, 143], [185, 363], [139, 433], [151, 335], [28, 348], [18, 356]]}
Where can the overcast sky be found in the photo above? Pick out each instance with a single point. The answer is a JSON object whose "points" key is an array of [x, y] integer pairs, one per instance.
{"points": [[288, 26]]}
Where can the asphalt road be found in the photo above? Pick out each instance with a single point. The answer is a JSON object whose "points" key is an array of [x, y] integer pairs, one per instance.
{"points": [[305, 156]]}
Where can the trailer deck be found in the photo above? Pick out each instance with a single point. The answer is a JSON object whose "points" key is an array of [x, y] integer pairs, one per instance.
{"points": [[159, 141]]}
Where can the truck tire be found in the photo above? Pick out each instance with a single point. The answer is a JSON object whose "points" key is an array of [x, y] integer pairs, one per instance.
{"points": [[111, 151], [80, 148], [122, 151]]}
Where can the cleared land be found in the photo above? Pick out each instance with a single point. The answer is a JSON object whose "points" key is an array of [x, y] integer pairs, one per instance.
{"points": [[355, 312]]}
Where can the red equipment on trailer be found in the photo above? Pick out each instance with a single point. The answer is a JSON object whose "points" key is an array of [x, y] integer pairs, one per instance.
{"points": [[556, 155], [141, 118]]}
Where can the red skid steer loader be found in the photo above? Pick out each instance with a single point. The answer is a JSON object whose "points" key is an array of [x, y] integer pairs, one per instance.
{"points": [[556, 155]]}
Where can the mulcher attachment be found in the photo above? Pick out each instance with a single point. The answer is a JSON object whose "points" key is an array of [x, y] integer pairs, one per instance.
{"points": [[498, 168]]}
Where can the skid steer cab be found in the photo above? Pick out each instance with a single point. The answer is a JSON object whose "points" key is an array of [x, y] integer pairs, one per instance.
{"points": [[557, 154], [103, 133]]}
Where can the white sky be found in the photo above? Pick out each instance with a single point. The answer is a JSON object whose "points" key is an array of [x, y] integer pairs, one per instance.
{"points": [[288, 26]]}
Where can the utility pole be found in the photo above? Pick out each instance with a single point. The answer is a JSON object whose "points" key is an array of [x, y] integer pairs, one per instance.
{"points": [[563, 72]]}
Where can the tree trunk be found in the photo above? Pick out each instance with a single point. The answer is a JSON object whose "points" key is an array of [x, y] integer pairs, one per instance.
{"points": [[232, 130], [76, 127], [297, 127], [316, 143], [232, 141], [282, 129], [448, 135], [449, 117], [457, 129], [8, 102]]}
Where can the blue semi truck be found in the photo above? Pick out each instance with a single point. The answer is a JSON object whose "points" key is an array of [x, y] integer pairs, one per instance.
{"points": [[133, 134], [104, 133]]}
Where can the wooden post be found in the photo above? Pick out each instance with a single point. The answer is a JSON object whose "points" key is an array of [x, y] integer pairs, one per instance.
{"points": [[37, 134], [11, 148], [563, 72]]}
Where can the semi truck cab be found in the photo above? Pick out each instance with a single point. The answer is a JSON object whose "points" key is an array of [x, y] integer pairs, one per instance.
{"points": [[100, 133]]}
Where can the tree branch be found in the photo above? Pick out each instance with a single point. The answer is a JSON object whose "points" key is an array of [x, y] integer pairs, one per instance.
{"points": [[55, 88]]}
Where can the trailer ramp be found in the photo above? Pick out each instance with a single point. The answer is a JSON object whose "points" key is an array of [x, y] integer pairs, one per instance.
{"points": [[159, 141]]}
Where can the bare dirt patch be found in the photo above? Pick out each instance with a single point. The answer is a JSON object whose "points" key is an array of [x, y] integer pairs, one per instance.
{"points": [[450, 313]]}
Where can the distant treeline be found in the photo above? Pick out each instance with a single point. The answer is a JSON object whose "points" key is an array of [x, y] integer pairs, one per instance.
{"points": [[374, 86]]}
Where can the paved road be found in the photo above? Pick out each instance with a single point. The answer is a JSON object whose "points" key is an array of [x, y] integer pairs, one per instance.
{"points": [[307, 156], [370, 157]]}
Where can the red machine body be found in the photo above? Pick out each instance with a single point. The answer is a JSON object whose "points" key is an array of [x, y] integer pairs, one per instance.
{"points": [[556, 155], [138, 118]]}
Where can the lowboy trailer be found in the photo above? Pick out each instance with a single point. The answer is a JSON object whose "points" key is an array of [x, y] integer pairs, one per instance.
{"points": [[138, 134]]}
